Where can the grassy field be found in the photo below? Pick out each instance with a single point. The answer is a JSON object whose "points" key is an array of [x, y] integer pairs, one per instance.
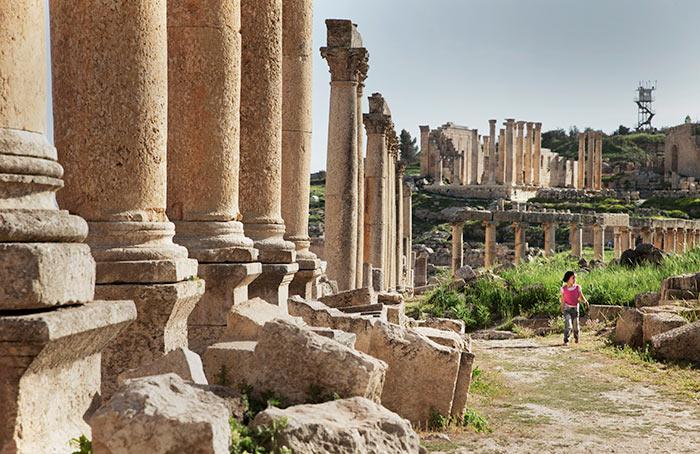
{"points": [[533, 289]]}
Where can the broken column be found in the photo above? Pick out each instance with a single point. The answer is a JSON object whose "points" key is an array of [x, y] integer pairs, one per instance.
{"points": [[519, 231], [457, 246], [297, 67], [261, 148], [111, 132], [581, 160], [347, 61], [489, 244], [550, 230], [420, 277], [51, 332], [203, 158], [377, 123]]}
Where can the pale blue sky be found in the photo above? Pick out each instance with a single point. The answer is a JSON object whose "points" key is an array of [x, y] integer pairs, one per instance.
{"points": [[562, 62]]}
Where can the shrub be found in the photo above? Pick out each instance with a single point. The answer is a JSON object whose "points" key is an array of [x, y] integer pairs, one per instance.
{"points": [[82, 445]]}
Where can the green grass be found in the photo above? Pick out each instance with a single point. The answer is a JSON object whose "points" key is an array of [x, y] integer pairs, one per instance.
{"points": [[532, 289], [683, 207]]}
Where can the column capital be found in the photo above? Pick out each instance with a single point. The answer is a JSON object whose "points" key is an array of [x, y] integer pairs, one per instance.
{"points": [[347, 64], [493, 122], [538, 125]]}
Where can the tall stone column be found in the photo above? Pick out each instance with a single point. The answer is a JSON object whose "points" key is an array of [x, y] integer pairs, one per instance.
{"points": [[598, 170], [407, 234], [510, 157], [527, 153], [519, 152], [669, 243], [486, 175], [536, 154], [51, 332], [493, 158], [457, 246], [203, 158], [425, 150], [659, 238], [347, 60], [501, 170], [576, 240], [110, 123], [398, 221], [519, 249], [598, 242], [590, 161], [475, 157], [690, 240], [377, 123], [550, 245], [489, 244], [359, 258], [581, 160], [624, 239], [681, 235], [421, 271], [297, 68], [617, 243]]}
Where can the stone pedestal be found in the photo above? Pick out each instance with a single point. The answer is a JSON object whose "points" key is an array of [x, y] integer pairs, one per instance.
{"points": [[421, 271], [305, 281], [457, 247], [273, 284], [550, 246], [598, 242], [576, 240], [489, 244]]}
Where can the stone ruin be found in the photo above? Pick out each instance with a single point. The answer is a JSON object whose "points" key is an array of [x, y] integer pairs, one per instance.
{"points": [[512, 166], [184, 130]]}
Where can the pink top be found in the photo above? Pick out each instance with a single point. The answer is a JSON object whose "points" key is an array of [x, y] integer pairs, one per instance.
{"points": [[571, 294]]}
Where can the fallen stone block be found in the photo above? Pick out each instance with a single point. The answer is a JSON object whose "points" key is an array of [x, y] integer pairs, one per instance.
{"points": [[466, 273], [604, 313], [349, 426], [659, 322], [181, 361], [295, 363], [161, 414], [647, 299], [684, 286], [446, 324], [396, 314], [357, 297], [389, 298], [682, 343], [447, 338], [628, 330], [246, 320]]}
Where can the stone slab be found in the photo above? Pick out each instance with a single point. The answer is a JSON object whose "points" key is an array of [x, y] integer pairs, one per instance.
{"points": [[146, 271]]}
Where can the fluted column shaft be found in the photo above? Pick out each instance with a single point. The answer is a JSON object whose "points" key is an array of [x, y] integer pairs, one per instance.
{"points": [[510, 156], [536, 154], [399, 222]]}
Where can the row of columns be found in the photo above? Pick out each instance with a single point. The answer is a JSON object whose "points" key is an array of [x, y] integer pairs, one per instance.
{"points": [[590, 160]]}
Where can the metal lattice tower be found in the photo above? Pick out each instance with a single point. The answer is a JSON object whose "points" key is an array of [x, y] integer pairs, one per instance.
{"points": [[644, 100]]}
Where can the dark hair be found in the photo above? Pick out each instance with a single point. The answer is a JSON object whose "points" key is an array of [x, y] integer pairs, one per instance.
{"points": [[567, 276]]}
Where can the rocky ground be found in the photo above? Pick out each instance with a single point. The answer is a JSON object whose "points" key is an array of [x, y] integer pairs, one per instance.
{"points": [[539, 396]]}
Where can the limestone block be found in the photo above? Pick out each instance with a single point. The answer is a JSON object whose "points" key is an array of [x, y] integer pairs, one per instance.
{"points": [[396, 314], [358, 297], [447, 338], [246, 320], [445, 324], [684, 286], [161, 325], [347, 339], [146, 271], [161, 414], [50, 373], [660, 322], [293, 362], [273, 284], [182, 362], [349, 426], [464, 379], [41, 275], [647, 299], [604, 313], [682, 343], [389, 298], [466, 273], [628, 330]]}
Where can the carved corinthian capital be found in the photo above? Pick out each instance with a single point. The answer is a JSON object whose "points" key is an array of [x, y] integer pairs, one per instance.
{"points": [[346, 64]]}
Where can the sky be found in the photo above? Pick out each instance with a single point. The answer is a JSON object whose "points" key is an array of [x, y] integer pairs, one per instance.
{"points": [[561, 62]]}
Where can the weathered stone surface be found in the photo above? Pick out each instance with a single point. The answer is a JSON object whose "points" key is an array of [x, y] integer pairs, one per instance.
{"points": [[41, 275], [349, 426], [682, 343], [161, 414], [358, 297], [246, 320], [396, 314], [628, 330], [294, 363], [50, 373], [182, 362], [466, 273], [464, 380], [657, 323], [647, 299], [680, 287], [604, 313], [446, 324], [347, 339], [448, 338], [492, 334]]}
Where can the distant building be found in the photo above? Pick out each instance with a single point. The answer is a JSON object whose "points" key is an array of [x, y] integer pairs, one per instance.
{"points": [[682, 156]]}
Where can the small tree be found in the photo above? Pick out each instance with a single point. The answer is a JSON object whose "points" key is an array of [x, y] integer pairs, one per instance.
{"points": [[408, 147], [622, 131]]}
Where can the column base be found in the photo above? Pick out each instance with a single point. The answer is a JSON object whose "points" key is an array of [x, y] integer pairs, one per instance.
{"points": [[273, 284], [50, 372], [305, 281], [226, 286], [161, 326]]}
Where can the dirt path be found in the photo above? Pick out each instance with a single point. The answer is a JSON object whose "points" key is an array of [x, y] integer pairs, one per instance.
{"points": [[541, 397]]}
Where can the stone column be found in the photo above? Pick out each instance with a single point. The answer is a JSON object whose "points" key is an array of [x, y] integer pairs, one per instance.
{"points": [[457, 246], [360, 185], [510, 157], [424, 150], [536, 155], [398, 221], [598, 169], [347, 60], [669, 240], [519, 152], [617, 242], [203, 159], [493, 158], [111, 129], [590, 161], [421, 270], [407, 234], [500, 171], [581, 160], [439, 172], [475, 157], [377, 123], [297, 67], [550, 245], [647, 235], [624, 239], [51, 332], [489, 244], [390, 272], [519, 248], [690, 240], [659, 238], [598, 242], [527, 161], [681, 236], [486, 176], [576, 240]]}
